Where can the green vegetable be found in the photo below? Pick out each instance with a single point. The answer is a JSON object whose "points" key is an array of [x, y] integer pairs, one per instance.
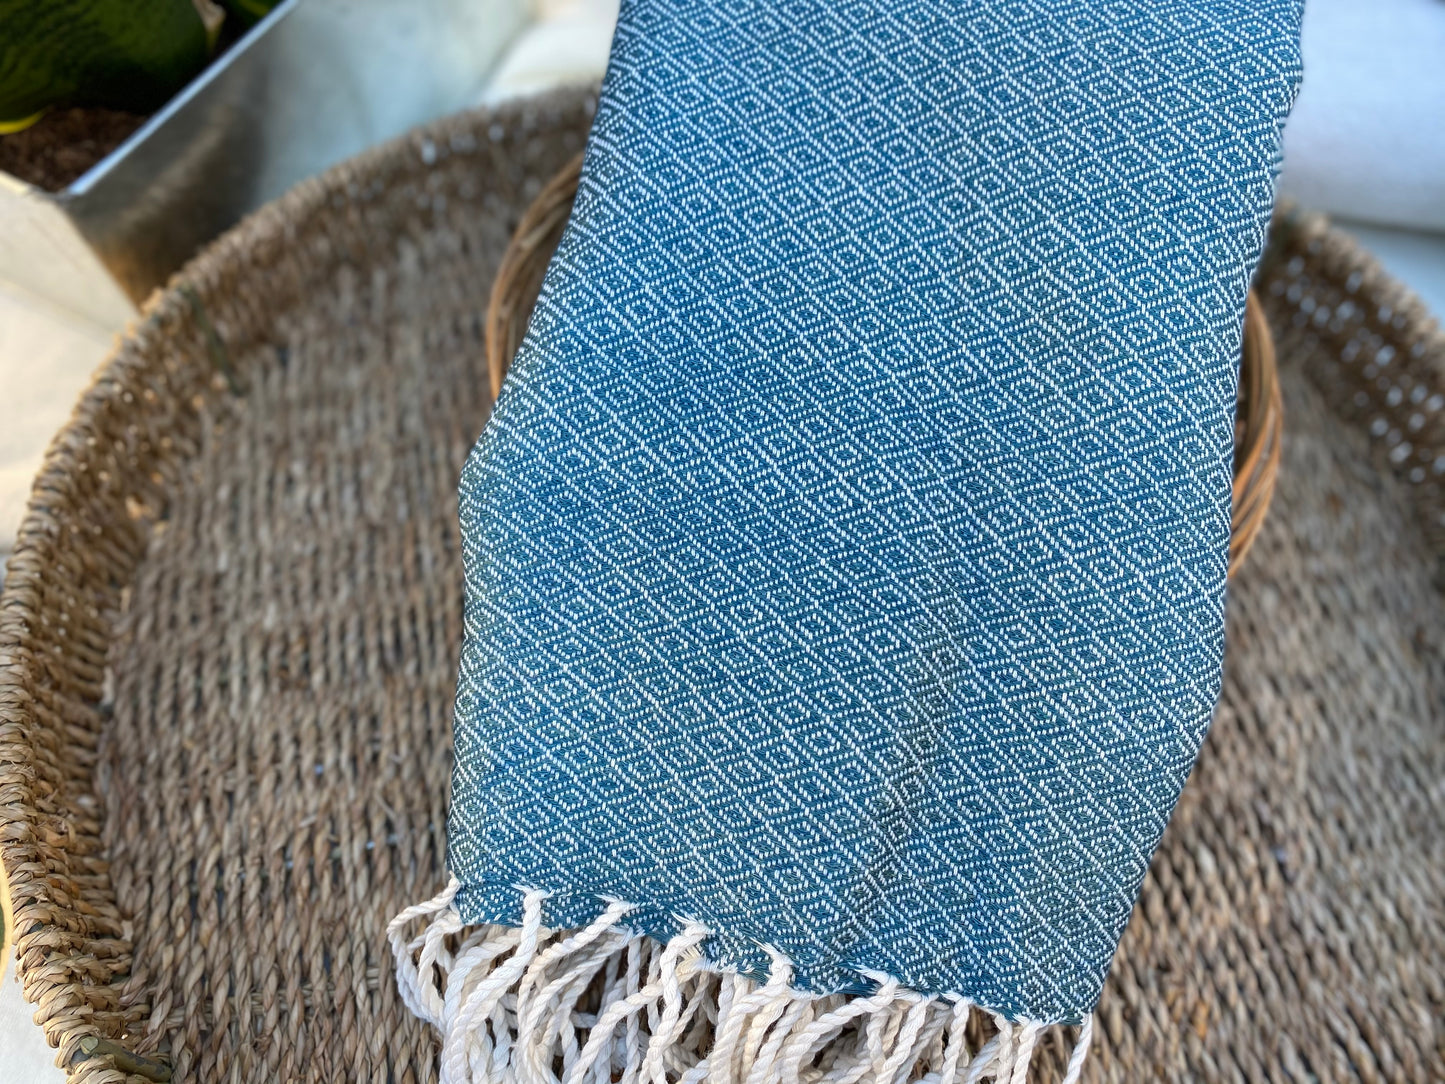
{"points": [[249, 12], [122, 54]]}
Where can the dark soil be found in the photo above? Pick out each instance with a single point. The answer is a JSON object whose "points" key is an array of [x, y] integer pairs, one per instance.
{"points": [[63, 144]]}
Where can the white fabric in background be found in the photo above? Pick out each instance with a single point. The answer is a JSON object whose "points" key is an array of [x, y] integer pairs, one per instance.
{"points": [[25, 1057], [567, 44], [1366, 140]]}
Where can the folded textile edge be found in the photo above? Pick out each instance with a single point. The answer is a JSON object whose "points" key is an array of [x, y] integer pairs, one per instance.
{"points": [[512, 1002]]}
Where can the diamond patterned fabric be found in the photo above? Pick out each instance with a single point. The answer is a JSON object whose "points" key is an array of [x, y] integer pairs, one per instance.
{"points": [[846, 552]]}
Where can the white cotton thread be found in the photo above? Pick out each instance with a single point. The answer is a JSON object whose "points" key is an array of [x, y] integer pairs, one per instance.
{"points": [[991, 1060], [668, 1029], [931, 1038], [460, 1049], [955, 1050], [765, 1067], [1081, 1050], [532, 1005], [1028, 1037], [725, 1053], [551, 986], [415, 959], [905, 1049]]}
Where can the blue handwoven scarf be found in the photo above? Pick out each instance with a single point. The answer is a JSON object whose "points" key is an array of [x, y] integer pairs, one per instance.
{"points": [[845, 557]]}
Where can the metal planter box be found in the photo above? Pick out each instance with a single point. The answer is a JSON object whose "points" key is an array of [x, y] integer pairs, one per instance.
{"points": [[315, 82]]}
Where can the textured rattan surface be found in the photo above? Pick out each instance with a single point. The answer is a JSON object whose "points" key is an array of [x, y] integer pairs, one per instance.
{"points": [[229, 633]]}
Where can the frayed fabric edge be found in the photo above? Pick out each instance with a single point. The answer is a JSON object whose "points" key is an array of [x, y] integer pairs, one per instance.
{"points": [[532, 1005]]}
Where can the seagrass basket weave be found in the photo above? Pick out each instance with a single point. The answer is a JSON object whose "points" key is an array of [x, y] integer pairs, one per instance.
{"points": [[230, 626]]}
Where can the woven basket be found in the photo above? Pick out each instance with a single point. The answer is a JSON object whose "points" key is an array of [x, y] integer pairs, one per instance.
{"points": [[229, 632]]}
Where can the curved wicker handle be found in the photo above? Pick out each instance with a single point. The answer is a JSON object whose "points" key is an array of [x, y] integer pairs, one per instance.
{"points": [[1258, 424], [1258, 421]]}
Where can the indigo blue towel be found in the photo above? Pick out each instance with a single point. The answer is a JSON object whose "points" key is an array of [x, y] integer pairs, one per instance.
{"points": [[845, 556]]}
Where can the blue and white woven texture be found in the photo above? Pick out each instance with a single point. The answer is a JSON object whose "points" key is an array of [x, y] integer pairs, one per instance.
{"points": [[846, 553]]}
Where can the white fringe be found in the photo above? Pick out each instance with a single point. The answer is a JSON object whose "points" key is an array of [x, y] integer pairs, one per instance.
{"points": [[529, 1005]]}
